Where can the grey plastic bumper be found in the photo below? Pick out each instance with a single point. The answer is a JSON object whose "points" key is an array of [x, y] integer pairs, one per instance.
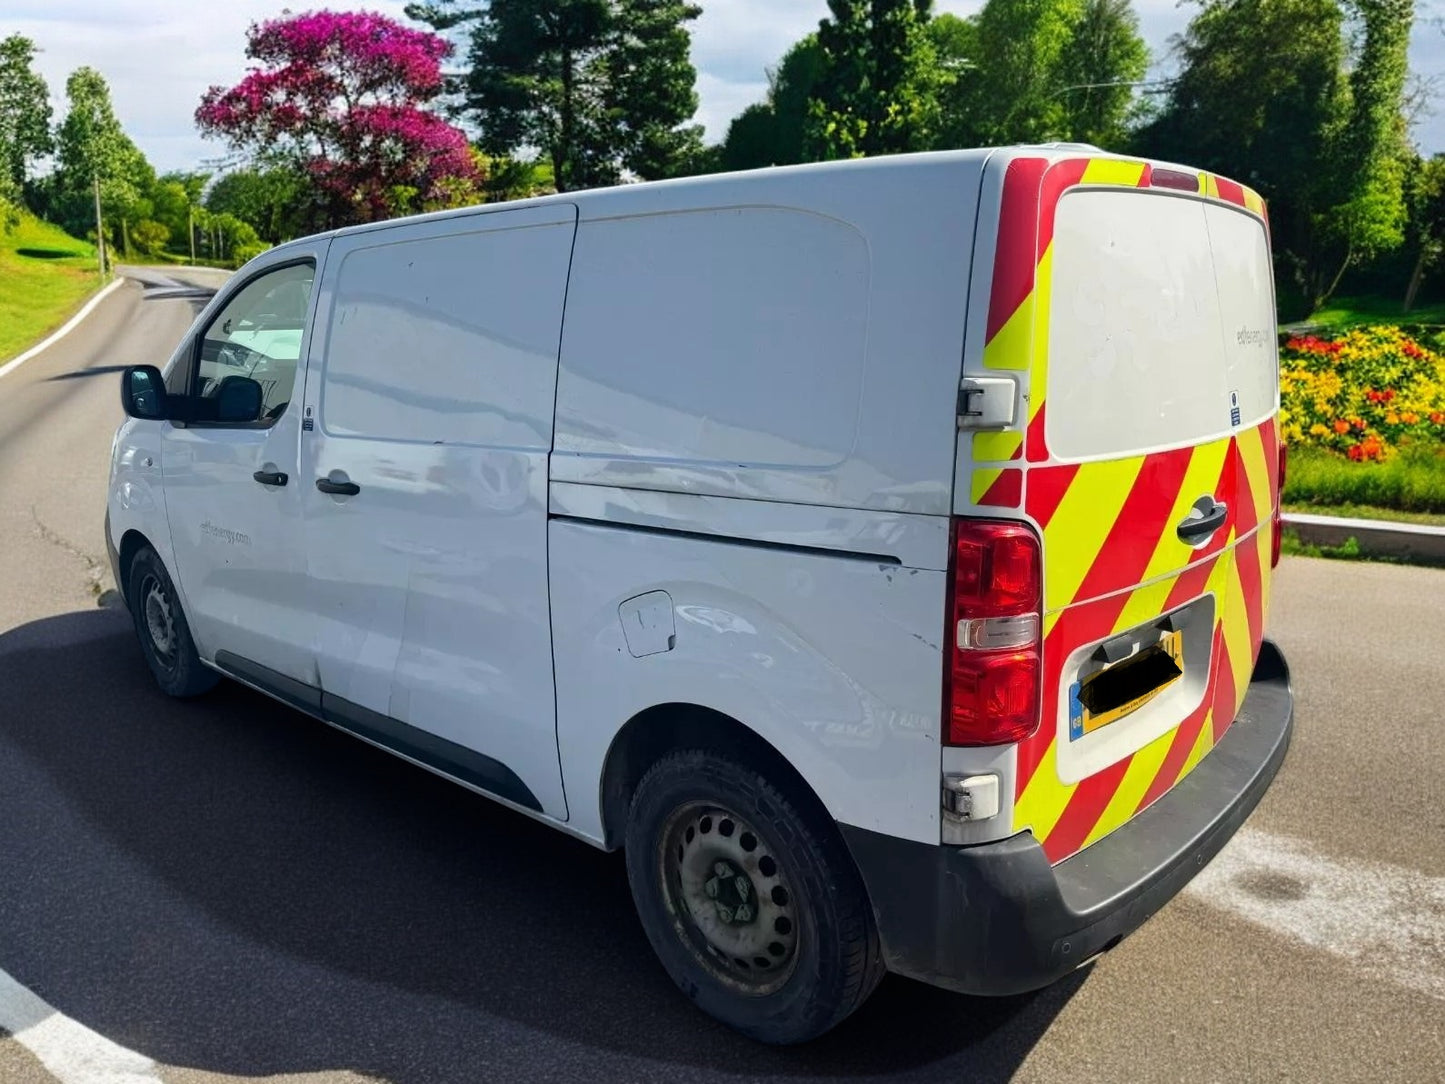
{"points": [[999, 919]]}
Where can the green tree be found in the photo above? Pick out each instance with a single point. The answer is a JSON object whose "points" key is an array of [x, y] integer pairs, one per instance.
{"points": [[1425, 231], [271, 199], [92, 149], [878, 89], [1105, 53], [1016, 91], [1271, 93], [600, 87], [772, 132], [24, 113]]}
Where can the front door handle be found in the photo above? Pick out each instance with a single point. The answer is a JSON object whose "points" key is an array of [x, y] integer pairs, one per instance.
{"points": [[270, 477], [342, 489], [1196, 529]]}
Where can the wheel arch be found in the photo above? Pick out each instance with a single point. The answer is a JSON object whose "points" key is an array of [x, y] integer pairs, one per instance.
{"points": [[131, 543], [663, 728]]}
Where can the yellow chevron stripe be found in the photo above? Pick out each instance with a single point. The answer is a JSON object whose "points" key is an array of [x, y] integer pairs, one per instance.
{"points": [[983, 478], [1077, 532], [1211, 186], [1253, 201], [1012, 346], [1113, 171], [1202, 745], [1043, 800], [996, 447], [1256, 474], [1043, 298], [1137, 778]]}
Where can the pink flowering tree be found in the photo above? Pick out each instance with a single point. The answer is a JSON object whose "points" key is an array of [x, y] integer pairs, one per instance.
{"points": [[341, 96]]}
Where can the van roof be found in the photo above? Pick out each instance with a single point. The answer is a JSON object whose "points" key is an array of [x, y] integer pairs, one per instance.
{"points": [[619, 199]]}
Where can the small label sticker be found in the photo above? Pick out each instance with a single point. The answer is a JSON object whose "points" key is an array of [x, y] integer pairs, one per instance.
{"points": [[1076, 713], [1234, 409], [309, 425]]}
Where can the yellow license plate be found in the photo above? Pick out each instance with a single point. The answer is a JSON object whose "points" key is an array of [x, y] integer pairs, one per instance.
{"points": [[1124, 687]]}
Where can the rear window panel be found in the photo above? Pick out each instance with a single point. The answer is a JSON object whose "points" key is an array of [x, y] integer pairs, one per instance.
{"points": [[1161, 324]]}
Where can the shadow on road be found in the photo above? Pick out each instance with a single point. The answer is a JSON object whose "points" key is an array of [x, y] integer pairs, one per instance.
{"points": [[227, 885], [94, 370]]}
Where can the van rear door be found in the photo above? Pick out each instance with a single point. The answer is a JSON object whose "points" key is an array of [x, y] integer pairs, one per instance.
{"points": [[1138, 318]]}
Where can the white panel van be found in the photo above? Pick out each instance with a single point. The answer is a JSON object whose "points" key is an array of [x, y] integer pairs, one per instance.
{"points": [[878, 552]]}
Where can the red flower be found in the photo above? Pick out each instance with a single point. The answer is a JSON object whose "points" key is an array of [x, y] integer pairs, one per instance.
{"points": [[1356, 452]]}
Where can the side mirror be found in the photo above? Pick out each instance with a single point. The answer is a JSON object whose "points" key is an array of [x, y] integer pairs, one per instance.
{"points": [[143, 392], [238, 400]]}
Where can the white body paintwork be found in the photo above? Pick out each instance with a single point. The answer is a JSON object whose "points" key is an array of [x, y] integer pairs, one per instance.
{"points": [[755, 381]]}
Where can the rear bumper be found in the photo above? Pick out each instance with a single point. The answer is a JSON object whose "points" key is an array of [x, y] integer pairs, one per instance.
{"points": [[998, 919]]}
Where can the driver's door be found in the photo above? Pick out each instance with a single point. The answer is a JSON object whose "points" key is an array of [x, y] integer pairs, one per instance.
{"points": [[232, 491]]}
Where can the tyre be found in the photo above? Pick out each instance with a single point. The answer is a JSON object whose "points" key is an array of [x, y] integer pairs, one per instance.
{"points": [[749, 898], [160, 624]]}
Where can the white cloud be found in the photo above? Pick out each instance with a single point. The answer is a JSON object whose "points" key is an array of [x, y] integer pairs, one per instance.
{"points": [[160, 55]]}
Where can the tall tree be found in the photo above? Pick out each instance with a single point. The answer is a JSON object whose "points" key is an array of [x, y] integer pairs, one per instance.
{"points": [[342, 97], [1270, 93], [94, 153], [601, 87], [1105, 54], [878, 86], [24, 112], [772, 132]]}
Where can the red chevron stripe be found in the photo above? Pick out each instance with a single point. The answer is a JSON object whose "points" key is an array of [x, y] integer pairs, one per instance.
{"points": [[1224, 702], [1146, 179], [1139, 527], [1086, 805], [1246, 516], [1269, 438], [1184, 737], [1230, 191], [1006, 490], [1223, 491], [1047, 486], [1061, 176], [1038, 450], [1246, 559], [1014, 260]]}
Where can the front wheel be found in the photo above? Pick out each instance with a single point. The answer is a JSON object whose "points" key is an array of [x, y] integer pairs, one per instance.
{"points": [[160, 624], [750, 900]]}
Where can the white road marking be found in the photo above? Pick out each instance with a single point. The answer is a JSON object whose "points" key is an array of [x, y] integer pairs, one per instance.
{"points": [[1388, 921], [69, 326], [72, 1052]]}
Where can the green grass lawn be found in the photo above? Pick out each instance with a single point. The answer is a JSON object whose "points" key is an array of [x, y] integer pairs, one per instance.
{"points": [[45, 274], [1412, 481], [1343, 312]]}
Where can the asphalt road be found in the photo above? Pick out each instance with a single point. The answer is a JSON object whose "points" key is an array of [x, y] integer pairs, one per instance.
{"points": [[233, 891]]}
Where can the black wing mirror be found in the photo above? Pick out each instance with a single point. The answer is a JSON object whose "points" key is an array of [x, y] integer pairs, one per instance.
{"points": [[143, 392]]}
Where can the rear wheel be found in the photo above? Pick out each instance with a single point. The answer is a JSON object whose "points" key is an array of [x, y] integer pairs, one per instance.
{"points": [[160, 624], [749, 899]]}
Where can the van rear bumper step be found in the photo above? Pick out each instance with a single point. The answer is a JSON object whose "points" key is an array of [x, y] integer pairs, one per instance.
{"points": [[997, 919]]}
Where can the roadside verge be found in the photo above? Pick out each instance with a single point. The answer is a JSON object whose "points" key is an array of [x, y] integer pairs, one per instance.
{"points": [[7, 367], [1414, 542]]}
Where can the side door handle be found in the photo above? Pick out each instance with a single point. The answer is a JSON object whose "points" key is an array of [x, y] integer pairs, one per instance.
{"points": [[1197, 528], [270, 477], [341, 489]]}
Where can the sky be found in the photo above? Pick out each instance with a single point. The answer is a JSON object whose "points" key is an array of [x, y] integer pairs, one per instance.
{"points": [[159, 56]]}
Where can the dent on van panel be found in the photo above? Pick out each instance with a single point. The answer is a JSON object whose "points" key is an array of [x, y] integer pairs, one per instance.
{"points": [[733, 336]]}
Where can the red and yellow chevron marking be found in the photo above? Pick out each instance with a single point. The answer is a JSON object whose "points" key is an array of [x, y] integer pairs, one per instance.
{"points": [[1112, 557]]}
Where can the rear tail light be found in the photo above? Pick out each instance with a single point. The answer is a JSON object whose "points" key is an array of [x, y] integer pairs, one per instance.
{"points": [[994, 658], [1277, 520]]}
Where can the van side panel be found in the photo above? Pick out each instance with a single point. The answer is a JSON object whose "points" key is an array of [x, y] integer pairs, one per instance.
{"points": [[790, 336], [832, 660]]}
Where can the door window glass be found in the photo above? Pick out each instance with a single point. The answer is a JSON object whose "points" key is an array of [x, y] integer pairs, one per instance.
{"points": [[250, 351]]}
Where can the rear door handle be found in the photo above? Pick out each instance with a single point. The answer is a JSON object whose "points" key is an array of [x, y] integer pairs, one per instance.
{"points": [[1195, 530], [270, 477], [342, 489]]}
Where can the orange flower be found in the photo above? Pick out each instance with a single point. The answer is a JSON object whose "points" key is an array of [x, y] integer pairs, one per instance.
{"points": [[1392, 418], [1341, 426], [1409, 417]]}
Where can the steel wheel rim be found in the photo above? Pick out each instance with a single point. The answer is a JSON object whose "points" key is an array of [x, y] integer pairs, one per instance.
{"points": [[159, 618], [732, 902]]}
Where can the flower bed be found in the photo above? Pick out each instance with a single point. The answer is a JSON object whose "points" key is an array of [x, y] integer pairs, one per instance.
{"points": [[1365, 394]]}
